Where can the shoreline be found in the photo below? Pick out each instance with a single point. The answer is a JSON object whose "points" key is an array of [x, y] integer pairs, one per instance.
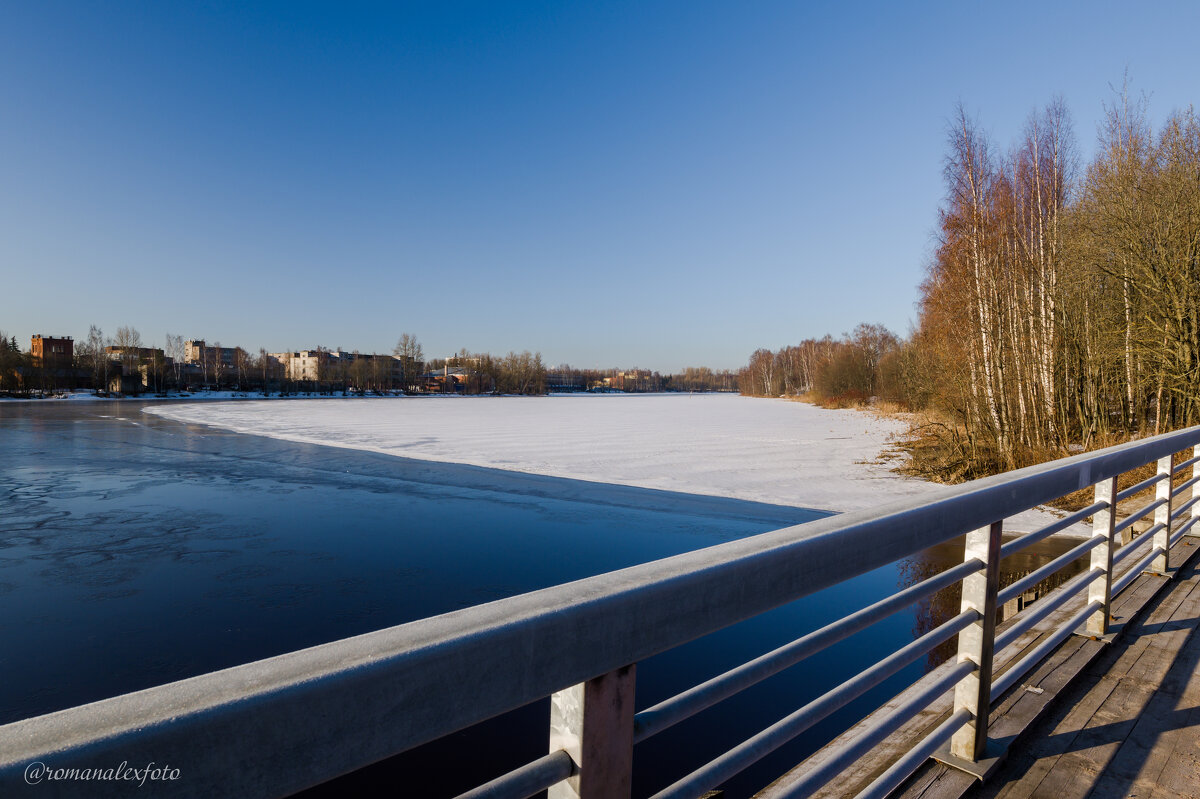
{"points": [[774, 452]]}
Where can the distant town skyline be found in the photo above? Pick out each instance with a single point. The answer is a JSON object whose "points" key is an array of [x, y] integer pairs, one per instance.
{"points": [[612, 185]]}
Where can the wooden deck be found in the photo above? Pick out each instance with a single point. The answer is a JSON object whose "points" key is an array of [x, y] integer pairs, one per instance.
{"points": [[1130, 725], [1093, 720]]}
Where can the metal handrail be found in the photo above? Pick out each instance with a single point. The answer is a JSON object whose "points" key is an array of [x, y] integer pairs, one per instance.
{"points": [[891, 779], [1183, 529], [1018, 670], [1177, 512], [654, 720], [1140, 513], [1135, 572], [1053, 567], [336, 707], [1045, 606], [1184, 486], [1140, 487], [1143, 539], [1180, 467], [787, 728], [1021, 542], [532, 778], [883, 727]]}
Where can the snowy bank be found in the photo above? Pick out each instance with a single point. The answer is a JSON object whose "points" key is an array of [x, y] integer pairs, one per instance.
{"points": [[762, 450]]}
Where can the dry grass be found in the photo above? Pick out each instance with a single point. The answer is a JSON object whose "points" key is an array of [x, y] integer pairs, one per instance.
{"points": [[939, 450]]}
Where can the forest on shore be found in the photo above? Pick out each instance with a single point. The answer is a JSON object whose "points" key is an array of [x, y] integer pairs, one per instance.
{"points": [[1060, 310]]}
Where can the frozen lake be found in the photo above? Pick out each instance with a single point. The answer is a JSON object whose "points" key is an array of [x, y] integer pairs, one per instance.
{"points": [[762, 450], [136, 550]]}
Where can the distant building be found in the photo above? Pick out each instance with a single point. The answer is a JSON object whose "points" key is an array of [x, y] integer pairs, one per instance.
{"points": [[197, 351], [561, 380], [140, 353], [447, 380], [52, 353], [632, 380], [304, 365], [339, 366]]}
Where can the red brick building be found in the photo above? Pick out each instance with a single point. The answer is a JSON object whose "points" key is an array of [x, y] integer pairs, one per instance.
{"points": [[52, 353]]}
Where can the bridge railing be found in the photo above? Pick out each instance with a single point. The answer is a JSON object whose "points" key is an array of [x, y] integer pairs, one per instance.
{"points": [[280, 725]]}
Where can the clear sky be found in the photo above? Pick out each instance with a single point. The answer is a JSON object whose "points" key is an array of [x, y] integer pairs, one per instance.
{"points": [[611, 183]]}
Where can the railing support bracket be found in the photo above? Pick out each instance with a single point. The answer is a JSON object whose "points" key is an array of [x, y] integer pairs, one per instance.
{"points": [[980, 769], [1107, 638]]}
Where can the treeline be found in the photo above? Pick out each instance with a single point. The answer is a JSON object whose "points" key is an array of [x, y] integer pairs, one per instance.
{"points": [[484, 373], [870, 362], [122, 363], [1062, 305], [524, 373]]}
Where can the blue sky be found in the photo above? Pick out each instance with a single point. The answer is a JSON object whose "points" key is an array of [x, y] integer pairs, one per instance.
{"points": [[613, 184]]}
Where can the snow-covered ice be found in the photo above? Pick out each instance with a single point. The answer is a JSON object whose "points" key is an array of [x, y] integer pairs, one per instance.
{"points": [[763, 450]]}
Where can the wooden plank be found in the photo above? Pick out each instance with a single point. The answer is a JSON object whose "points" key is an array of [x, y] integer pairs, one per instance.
{"points": [[1081, 750], [1032, 763], [1147, 757], [1103, 726]]}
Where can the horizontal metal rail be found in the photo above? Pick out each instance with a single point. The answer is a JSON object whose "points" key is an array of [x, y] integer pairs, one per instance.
{"points": [[1184, 508], [1136, 544], [1045, 606], [1017, 544], [1018, 670], [1053, 567], [1140, 487], [1183, 530], [331, 709], [1129, 520], [1185, 464], [1179, 489], [528, 780], [903, 768], [1136, 571], [654, 720], [784, 730], [879, 730]]}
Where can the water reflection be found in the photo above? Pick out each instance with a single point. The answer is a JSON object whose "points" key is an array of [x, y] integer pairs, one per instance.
{"points": [[937, 609]]}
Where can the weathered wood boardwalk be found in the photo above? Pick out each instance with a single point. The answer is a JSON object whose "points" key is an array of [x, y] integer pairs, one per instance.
{"points": [[1130, 725], [1093, 720]]}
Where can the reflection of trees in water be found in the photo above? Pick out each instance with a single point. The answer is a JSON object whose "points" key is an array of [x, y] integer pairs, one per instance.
{"points": [[944, 605]]}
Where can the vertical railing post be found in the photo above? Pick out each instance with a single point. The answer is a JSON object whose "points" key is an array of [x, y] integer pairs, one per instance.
{"points": [[1162, 516], [1195, 528], [976, 643], [1104, 523], [593, 723]]}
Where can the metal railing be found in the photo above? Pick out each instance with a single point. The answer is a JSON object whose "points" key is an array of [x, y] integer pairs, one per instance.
{"points": [[286, 723]]}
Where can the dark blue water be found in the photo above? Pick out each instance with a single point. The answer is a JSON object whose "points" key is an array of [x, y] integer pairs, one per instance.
{"points": [[136, 550]]}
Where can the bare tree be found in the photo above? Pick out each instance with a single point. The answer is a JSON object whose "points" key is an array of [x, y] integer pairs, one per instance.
{"points": [[242, 364], [408, 350], [129, 343], [174, 350], [92, 352]]}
